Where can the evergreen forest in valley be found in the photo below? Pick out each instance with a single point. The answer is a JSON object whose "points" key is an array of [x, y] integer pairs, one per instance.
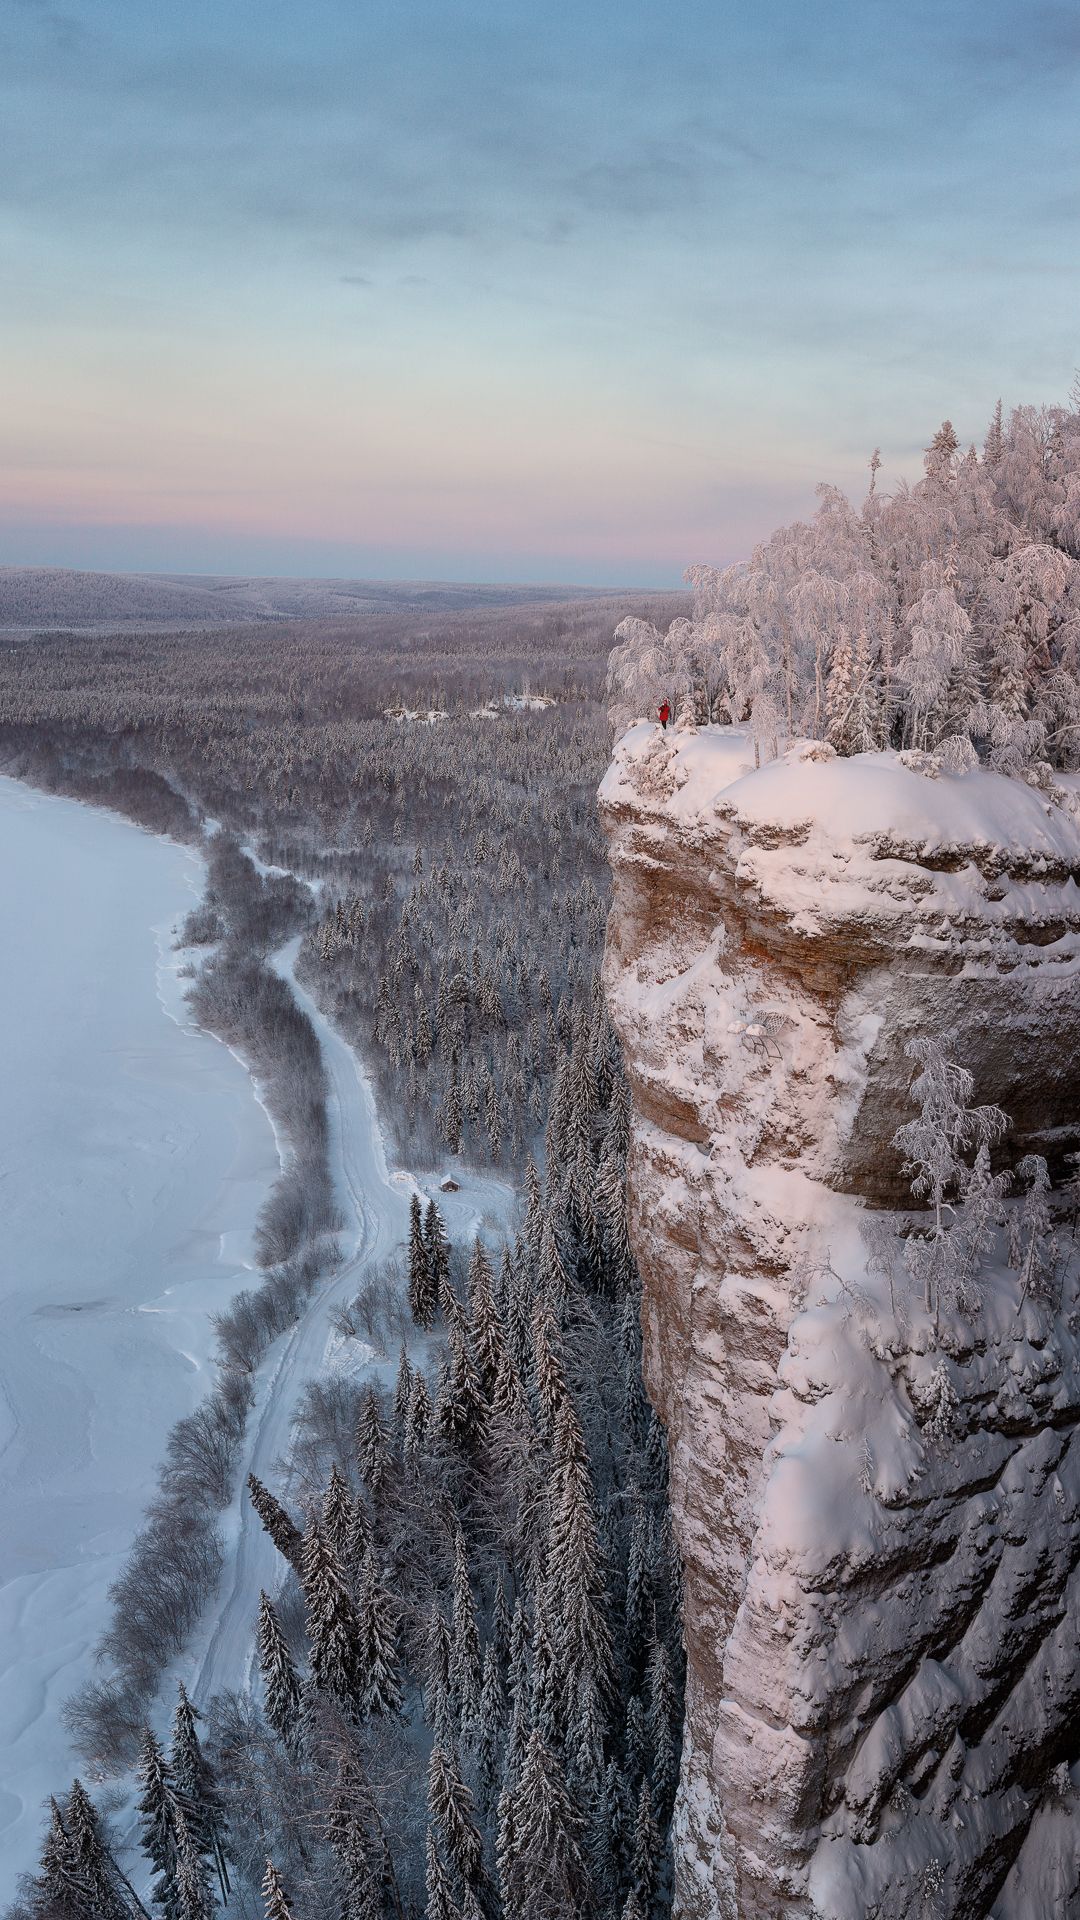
{"points": [[466, 1680]]}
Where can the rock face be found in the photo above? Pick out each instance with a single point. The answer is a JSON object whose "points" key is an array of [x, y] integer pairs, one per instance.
{"points": [[880, 1521]]}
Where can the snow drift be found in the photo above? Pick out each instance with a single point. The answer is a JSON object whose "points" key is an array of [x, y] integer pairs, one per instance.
{"points": [[879, 1518]]}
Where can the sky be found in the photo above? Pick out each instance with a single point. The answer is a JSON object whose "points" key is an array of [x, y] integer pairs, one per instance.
{"points": [[492, 289]]}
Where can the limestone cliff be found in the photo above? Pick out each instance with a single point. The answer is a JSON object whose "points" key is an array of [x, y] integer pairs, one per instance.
{"points": [[881, 1597]]}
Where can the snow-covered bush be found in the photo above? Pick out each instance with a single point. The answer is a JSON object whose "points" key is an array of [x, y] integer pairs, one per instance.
{"points": [[944, 1258], [942, 619], [968, 1204]]}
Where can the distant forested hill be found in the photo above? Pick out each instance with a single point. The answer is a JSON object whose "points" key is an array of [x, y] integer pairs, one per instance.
{"points": [[64, 598]]}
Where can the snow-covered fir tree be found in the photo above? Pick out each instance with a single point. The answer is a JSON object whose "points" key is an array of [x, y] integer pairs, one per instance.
{"points": [[275, 1904], [423, 1280], [281, 1688], [157, 1828], [197, 1791]]}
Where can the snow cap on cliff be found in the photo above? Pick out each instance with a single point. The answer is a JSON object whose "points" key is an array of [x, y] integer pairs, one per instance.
{"points": [[851, 801]]}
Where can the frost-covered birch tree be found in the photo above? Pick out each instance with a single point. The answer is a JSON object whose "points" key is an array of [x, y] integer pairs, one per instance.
{"points": [[944, 617]]}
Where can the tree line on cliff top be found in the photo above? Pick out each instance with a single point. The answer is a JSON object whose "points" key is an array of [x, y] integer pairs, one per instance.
{"points": [[942, 619]]}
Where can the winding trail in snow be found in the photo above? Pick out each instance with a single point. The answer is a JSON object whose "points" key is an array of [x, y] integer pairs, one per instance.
{"points": [[374, 1203]]}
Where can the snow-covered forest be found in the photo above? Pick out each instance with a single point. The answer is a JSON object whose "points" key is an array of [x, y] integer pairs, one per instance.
{"points": [[460, 873], [941, 618], [467, 1675], [469, 1692], [463, 1690], [57, 599]]}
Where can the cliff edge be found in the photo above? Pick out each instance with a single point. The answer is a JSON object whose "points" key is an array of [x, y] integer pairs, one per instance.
{"points": [[879, 1516]]}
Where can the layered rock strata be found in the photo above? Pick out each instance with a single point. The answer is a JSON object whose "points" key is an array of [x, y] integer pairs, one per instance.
{"points": [[881, 1596]]}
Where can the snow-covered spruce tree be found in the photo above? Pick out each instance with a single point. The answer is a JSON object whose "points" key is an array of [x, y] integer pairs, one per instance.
{"points": [[585, 1738], [542, 1871], [112, 1895], [640, 1600], [613, 1212], [452, 1815], [635, 1743], [402, 1388], [484, 1329], [452, 1118], [379, 1685], [371, 1444], [197, 1790], [275, 1905], [337, 1514], [945, 618], [283, 1532], [332, 1626], [634, 1404], [281, 1688], [575, 1581], [460, 1410], [418, 1417], [194, 1892], [518, 1682], [664, 1727], [158, 1810], [465, 1657], [645, 1865], [490, 1728], [441, 1904], [356, 1844], [423, 1287], [61, 1886], [438, 1252], [548, 1375], [436, 1680]]}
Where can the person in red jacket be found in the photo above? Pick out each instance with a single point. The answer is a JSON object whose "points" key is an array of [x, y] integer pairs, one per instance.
{"points": [[663, 714]]}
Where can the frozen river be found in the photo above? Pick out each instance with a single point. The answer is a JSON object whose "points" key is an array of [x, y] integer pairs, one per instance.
{"points": [[133, 1158]]}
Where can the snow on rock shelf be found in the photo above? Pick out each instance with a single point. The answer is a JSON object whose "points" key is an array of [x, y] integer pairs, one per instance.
{"points": [[881, 1626]]}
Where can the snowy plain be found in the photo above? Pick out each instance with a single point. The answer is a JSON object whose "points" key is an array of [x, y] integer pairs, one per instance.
{"points": [[133, 1159]]}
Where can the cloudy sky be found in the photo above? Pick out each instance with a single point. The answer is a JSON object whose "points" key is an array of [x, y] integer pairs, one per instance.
{"points": [[504, 290]]}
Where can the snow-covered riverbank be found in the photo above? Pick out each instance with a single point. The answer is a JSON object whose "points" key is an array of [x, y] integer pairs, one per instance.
{"points": [[133, 1159]]}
